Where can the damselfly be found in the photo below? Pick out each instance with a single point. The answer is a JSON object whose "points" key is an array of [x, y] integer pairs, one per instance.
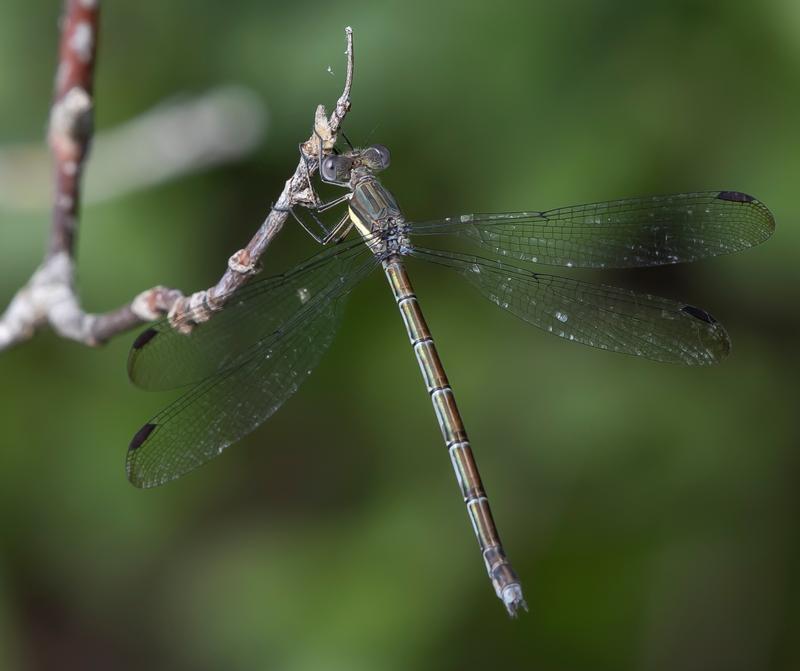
{"points": [[252, 355]]}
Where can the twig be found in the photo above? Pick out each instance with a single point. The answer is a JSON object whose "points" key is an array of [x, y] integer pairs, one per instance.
{"points": [[49, 296], [244, 263], [176, 137], [72, 117]]}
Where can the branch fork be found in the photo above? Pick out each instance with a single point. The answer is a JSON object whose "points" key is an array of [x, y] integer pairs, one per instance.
{"points": [[49, 297]]}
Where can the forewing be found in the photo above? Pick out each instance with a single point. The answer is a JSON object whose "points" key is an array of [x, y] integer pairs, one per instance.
{"points": [[163, 357], [630, 233], [230, 404], [606, 317]]}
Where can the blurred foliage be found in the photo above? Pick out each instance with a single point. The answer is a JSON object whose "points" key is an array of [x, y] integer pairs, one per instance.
{"points": [[650, 510]]}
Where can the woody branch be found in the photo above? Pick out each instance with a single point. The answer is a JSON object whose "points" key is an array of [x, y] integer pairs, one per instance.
{"points": [[50, 296]]}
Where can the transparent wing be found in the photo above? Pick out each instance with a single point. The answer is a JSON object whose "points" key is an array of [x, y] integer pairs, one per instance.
{"points": [[631, 233], [230, 404], [162, 357], [606, 317]]}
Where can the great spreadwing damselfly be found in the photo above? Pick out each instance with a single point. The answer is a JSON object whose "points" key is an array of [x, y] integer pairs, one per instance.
{"points": [[242, 364]]}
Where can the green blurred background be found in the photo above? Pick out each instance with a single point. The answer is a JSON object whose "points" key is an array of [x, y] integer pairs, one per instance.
{"points": [[650, 510]]}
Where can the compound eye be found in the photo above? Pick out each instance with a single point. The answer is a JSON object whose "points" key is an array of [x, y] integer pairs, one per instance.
{"points": [[327, 169], [378, 156]]}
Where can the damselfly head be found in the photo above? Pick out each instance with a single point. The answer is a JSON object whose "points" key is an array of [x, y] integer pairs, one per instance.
{"points": [[341, 167]]}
